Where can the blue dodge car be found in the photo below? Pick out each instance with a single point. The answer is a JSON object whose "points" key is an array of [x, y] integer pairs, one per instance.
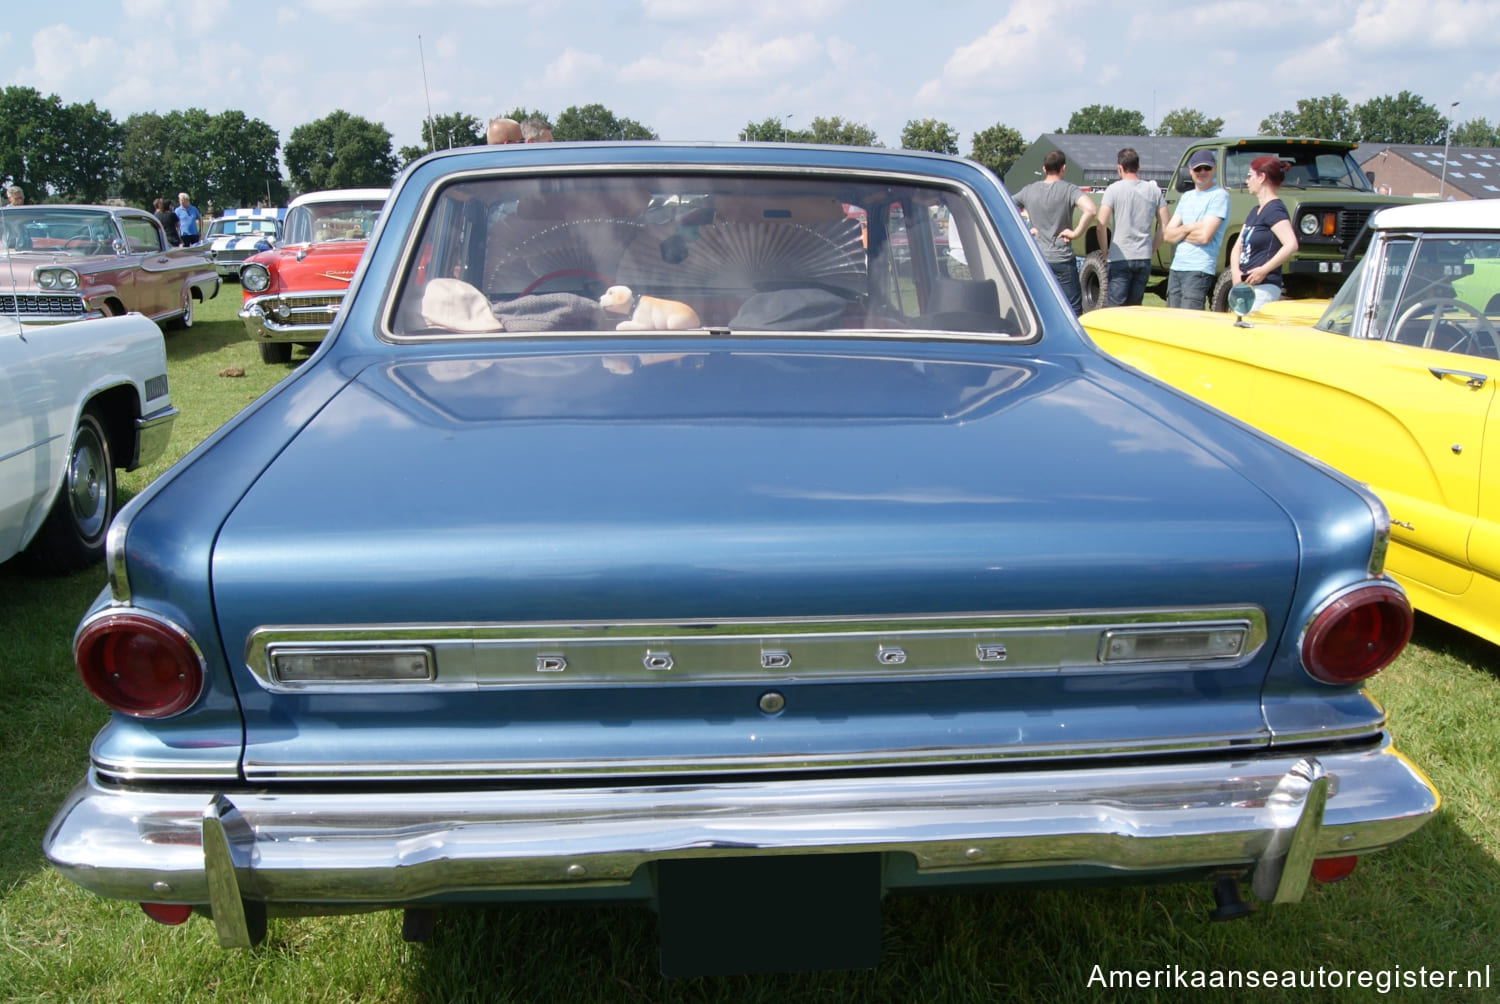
{"points": [[647, 529]]}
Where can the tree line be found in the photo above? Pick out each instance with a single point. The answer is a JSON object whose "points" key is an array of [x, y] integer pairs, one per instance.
{"points": [[79, 153]]}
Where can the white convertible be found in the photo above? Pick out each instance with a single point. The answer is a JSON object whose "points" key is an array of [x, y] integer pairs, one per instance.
{"points": [[77, 400]]}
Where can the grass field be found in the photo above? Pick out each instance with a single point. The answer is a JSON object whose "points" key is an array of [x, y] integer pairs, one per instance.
{"points": [[1433, 902]]}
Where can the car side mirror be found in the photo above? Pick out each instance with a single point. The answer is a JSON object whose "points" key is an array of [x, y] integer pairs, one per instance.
{"points": [[120, 247], [1241, 302], [1184, 179]]}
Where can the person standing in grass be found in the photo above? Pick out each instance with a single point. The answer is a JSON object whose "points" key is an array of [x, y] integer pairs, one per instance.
{"points": [[1197, 228], [1139, 212], [187, 219], [1267, 240], [1050, 204]]}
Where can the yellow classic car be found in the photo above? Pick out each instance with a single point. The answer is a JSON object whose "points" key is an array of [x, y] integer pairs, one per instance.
{"points": [[1393, 384]]}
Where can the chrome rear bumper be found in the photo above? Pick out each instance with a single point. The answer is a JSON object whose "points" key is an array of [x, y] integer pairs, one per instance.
{"points": [[327, 851]]}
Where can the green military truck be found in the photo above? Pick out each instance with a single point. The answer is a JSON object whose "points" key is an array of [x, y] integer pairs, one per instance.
{"points": [[1326, 194]]}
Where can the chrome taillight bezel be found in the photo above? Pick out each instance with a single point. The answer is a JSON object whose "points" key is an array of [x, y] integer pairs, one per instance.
{"points": [[102, 676], [1332, 612]]}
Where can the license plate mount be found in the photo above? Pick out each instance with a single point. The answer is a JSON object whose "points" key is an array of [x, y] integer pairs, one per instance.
{"points": [[782, 914]]}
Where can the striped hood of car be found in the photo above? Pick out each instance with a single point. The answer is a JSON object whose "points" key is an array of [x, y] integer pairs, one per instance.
{"points": [[243, 242]]}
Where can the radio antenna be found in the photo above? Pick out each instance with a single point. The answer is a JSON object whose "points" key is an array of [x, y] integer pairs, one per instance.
{"points": [[431, 126]]}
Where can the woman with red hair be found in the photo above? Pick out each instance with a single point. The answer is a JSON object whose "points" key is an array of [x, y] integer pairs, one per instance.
{"points": [[1267, 239]]}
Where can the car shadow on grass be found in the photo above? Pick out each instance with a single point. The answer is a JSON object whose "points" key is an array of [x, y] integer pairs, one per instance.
{"points": [[1456, 643]]}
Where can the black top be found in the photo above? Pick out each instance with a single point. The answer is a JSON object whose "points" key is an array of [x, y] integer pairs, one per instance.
{"points": [[168, 220], [1258, 244]]}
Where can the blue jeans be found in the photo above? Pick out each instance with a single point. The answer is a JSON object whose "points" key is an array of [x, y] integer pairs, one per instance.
{"points": [[1067, 277], [1189, 290], [1127, 282]]}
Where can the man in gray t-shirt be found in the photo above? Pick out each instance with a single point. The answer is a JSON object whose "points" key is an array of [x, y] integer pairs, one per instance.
{"points": [[1049, 205], [1140, 213]]}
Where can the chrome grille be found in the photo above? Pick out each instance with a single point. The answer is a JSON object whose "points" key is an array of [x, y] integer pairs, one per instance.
{"points": [[313, 309], [41, 305]]}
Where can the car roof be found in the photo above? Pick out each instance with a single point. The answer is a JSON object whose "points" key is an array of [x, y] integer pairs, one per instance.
{"points": [[340, 195], [78, 207], [1470, 214], [252, 214]]}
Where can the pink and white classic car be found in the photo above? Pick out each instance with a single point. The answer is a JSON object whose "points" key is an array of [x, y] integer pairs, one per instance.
{"points": [[69, 263]]}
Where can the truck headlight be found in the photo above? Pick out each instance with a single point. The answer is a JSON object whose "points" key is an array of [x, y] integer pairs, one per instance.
{"points": [[1308, 224]]}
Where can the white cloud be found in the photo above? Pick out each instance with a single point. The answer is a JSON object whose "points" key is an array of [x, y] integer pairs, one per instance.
{"points": [[780, 12], [842, 54], [703, 68], [1383, 26], [1033, 43], [689, 10], [732, 58], [62, 55], [573, 68], [150, 11]]}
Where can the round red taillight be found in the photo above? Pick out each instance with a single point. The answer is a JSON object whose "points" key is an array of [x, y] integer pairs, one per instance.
{"points": [[1357, 634], [139, 665]]}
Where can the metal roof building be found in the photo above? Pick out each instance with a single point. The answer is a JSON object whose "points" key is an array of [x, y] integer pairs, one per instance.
{"points": [[1091, 159]]}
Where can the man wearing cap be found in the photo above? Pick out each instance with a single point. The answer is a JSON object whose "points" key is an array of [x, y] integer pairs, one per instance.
{"points": [[1197, 228]]}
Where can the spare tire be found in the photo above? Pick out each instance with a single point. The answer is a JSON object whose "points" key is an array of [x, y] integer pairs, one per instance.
{"points": [[1219, 298], [1093, 278]]}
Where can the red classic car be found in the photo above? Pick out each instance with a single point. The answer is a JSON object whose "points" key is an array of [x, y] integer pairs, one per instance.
{"points": [[68, 263], [293, 291]]}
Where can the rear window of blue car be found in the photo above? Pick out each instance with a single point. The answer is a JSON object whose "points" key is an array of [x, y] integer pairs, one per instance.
{"points": [[688, 252]]}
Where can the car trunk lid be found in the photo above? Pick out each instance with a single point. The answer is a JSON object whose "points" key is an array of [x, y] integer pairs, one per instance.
{"points": [[576, 563]]}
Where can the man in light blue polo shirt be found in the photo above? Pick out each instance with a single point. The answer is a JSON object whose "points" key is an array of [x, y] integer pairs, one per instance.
{"points": [[1197, 228], [187, 219]]}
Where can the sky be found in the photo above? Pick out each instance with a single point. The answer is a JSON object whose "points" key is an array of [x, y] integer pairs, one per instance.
{"points": [[703, 69]]}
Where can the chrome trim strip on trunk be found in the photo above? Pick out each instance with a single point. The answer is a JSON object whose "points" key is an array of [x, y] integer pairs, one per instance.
{"points": [[649, 653], [896, 758], [137, 768], [356, 847]]}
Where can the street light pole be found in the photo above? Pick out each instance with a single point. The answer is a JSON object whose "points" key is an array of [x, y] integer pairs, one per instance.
{"points": [[784, 120], [1447, 135]]}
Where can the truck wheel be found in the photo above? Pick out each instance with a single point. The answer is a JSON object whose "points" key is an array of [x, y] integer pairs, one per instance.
{"points": [[1093, 277], [73, 534], [1219, 298], [275, 352]]}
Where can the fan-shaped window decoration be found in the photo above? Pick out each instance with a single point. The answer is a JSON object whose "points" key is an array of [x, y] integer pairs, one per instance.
{"points": [[535, 256], [742, 257]]}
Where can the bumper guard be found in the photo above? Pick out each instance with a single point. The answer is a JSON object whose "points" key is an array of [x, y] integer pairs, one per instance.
{"points": [[304, 852]]}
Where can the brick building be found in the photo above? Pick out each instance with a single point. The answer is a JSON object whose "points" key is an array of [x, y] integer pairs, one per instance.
{"points": [[1472, 173]]}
